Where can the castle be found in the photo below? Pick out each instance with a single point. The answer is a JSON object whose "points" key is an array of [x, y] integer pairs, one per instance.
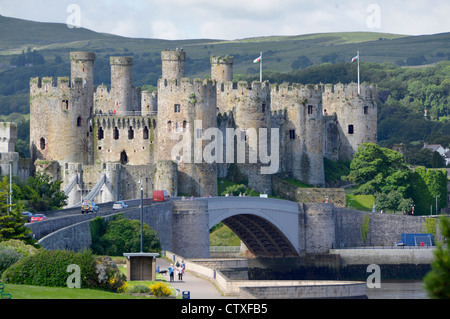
{"points": [[110, 144]]}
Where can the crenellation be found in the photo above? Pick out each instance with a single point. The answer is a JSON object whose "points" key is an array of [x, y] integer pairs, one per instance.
{"points": [[72, 121]]}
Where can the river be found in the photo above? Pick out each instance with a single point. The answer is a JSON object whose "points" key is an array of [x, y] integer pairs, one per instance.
{"points": [[401, 289]]}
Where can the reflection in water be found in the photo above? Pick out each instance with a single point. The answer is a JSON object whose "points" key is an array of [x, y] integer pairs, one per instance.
{"points": [[398, 290]]}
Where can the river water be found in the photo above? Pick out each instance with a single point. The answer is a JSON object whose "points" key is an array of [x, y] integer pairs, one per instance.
{"points": [[401, 289]]}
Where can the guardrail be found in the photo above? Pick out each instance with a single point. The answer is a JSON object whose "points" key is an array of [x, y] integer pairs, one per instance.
{"points": [[224, 249]]}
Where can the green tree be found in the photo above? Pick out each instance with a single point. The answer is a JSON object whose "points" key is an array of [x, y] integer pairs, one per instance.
{"points": [[40, 193], [438, 279], [12, 224], [122, 236], [379, 170]]}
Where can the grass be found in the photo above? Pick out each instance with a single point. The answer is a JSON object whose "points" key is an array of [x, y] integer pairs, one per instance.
{"points": [[38, 292], [361, 202]]}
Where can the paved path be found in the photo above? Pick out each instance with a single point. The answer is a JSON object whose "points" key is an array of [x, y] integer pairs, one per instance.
{"points": [[199, 288]]}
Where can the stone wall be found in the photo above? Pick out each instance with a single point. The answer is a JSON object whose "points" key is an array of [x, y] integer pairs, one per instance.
{"points": [[73, 232], [291, 192], [384, 229]]}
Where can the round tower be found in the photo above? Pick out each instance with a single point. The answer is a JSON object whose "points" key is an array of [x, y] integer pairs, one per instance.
{"points": [[252, 113], [173, 63], [222, 69], [121, 86], [82, 67]]}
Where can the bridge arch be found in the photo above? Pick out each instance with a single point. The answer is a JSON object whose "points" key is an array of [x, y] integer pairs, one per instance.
{"points": [[268, 227]]}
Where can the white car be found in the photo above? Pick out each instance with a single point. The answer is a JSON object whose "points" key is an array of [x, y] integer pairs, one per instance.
{"points": [[120, 205]]}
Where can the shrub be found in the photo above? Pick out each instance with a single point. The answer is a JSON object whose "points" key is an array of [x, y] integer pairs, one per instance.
{"points": [[139, 289], [160, 289], [49, 268], [11, 251], [18, 246], [109, 276], [8, 257]]}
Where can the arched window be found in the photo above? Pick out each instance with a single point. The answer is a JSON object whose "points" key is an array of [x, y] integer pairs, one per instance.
{"points": [[145, 133], [130, 133], [101, 133], [79, 121], [123, 158], [42, 143], [116, 133]]}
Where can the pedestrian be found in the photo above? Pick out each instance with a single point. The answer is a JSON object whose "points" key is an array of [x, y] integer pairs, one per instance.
{"points": [[180, 273], [171, 271], [183, 266]]}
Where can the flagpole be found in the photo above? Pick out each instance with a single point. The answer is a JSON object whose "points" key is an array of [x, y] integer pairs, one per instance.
{"points": [[359, 84], [260, 69]]}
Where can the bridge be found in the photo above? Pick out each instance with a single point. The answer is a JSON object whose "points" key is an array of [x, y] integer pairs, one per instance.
{"points": [[268, 227]]}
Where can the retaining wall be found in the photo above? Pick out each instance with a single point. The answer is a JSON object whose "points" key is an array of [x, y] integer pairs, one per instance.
{"points": [[274, 289]]}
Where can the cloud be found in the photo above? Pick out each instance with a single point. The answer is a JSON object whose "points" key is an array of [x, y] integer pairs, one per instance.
{"points": [[235, 19]]}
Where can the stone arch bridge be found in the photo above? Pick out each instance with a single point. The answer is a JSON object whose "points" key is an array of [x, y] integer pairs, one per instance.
{"points": [[268, 227]]}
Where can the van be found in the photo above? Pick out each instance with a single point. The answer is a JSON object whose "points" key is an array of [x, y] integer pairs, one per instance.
{"points": [[160, 196]]}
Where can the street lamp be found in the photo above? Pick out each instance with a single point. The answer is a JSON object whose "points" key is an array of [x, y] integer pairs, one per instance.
{"points": [[436, 205]]}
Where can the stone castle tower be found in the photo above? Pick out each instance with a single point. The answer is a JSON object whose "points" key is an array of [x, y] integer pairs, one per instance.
{"points": [[110, 143]]}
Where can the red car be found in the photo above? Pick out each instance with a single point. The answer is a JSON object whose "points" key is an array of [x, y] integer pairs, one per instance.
{"points": [[38, 218]]}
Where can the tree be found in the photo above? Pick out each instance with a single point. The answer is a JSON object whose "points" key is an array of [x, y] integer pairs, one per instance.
{"points": [[122, 236], [302, 62], [40, 193], [12, 224], [437, 161], [438, 279], [379, 170]]}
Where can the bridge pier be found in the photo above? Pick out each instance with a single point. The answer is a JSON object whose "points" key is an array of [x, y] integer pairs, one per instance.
{"points": [[190, 220]]}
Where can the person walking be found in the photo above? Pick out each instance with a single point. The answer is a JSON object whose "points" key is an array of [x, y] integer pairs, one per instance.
{"points": [[171, 272], [180, 273]]}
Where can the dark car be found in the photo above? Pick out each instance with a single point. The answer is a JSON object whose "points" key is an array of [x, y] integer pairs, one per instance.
{"points": [[28, 216]]}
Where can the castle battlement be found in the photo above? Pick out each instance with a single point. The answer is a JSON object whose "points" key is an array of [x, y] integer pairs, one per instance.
{"points": [[350, 91], [187, 87], [296, 90], [48, 86]]}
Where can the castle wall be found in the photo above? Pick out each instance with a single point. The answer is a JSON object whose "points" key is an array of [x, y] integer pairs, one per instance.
{"points": [[125, 139], [185, 111], [302, 132], [356, 115], [59, 120], [167, 130]]}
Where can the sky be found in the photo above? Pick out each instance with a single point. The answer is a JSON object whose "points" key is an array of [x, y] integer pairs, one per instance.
{"points": [[236, 19]]}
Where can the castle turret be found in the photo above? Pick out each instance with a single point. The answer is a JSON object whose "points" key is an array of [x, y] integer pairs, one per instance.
{"points": [[356, 115], [82, 67], [173, 64], [121, 86], [222, 69]]}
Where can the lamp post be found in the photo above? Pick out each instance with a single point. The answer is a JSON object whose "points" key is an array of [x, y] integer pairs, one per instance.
{"points": [[142, 218], [10, 187], [436, 204]]}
